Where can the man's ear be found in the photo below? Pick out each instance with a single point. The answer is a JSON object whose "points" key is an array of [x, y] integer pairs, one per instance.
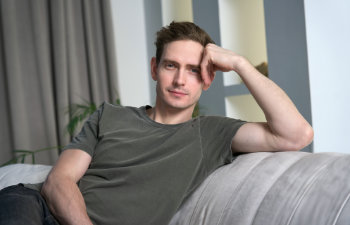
{"points": [[154, 68]]}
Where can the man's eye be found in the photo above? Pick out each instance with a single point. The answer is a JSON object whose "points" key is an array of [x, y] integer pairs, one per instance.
{"points": [[195, 70], [169, 65]]}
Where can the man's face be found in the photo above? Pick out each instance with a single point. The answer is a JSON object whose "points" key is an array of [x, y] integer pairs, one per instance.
{"points": [[178, 76]]}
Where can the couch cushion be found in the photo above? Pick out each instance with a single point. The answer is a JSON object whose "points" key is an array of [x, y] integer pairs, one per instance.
{"points": [[22, 173]]}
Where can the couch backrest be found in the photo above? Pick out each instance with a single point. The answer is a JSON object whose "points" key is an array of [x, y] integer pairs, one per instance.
{"points": [[273, 189]]}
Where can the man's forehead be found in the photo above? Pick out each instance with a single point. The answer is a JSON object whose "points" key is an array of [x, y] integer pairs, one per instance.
{"points": [[183, 51]]}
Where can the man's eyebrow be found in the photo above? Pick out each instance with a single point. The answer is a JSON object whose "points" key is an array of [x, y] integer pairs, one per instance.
{"points": [[193, 65], [187, 65], [169, 61]]}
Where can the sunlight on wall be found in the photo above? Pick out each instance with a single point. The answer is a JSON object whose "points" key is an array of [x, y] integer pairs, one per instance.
{"points": [[244, 107], [242, 30], [179, 10]]}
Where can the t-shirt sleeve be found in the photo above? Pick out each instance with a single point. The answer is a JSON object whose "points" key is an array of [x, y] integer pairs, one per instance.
{"points": [[87, 139], [216, 137]]}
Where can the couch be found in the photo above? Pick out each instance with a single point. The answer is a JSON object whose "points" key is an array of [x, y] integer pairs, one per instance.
{"points": [[282, 188]]}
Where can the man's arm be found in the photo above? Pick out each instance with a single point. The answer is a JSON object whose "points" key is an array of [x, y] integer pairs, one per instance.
{"points": [[60, 189], [286, 129]]}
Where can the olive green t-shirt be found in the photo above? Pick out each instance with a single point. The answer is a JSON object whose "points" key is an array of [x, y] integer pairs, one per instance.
{"points": [[141, 170]]}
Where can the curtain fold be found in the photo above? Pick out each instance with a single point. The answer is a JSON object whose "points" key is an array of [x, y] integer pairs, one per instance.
{"points": [[52, 54]]}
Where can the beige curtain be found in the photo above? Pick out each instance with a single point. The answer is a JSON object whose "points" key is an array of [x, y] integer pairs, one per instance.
{"points": [[52, 53]]}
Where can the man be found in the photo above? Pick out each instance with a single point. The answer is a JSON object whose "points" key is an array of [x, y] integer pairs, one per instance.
{"points": [[138, 165]]}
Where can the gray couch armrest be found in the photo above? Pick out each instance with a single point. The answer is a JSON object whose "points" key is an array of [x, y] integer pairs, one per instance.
{"points": [[273, 189]]}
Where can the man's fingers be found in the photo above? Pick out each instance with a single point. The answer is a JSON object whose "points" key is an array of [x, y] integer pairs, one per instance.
{"points": [[205, 72], [207, 69]]}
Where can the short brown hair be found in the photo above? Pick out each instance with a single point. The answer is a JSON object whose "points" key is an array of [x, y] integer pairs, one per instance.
{"points": [[180, 31]]}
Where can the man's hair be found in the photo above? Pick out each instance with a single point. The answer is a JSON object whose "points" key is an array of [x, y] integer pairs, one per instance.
{"points": [[180, 31]]}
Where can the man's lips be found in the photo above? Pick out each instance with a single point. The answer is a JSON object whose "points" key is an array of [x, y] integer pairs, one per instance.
{"points": [[178, 92]]}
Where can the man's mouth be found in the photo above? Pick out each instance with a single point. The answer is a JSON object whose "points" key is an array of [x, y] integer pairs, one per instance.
{"points": [[178, 93]]}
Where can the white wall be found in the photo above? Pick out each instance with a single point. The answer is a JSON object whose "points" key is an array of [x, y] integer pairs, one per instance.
{"points": [[328, 40], [131, 52]]}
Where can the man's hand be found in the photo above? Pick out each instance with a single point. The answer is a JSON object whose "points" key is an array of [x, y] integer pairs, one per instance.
{"points": [[286, 128], [216, 58]]}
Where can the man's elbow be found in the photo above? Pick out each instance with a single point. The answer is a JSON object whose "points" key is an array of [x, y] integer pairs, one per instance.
{"points": [[51, 184], [303, 138], [47, 187]]}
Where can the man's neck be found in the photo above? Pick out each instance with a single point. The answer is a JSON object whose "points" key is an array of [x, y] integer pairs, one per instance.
{"points": [[169, 115]]}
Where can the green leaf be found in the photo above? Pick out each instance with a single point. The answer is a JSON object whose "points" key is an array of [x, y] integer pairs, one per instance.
{"points": [[21, 155]]}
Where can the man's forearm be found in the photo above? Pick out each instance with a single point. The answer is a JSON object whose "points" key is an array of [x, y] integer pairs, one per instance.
{"points": [[65, 201], [282, 116], [286, 128]]}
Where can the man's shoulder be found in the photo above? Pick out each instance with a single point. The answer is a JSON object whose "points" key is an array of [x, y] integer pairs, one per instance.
{"points": [[116, 115], [115, 108], [107, 105]]}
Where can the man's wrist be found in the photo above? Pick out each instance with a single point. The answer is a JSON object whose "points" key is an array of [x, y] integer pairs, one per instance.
{"points": [[241, 64]]}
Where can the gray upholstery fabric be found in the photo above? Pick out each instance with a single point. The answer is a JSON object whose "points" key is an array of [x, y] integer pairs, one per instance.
{"points": [[273, 188], [284, 188], [22, 173]]}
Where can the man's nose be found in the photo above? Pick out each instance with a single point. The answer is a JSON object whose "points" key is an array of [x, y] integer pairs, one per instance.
{"points": [[180, 78]]}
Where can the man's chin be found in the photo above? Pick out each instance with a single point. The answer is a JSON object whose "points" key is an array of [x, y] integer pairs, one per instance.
{"points": [[181, 107]]}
